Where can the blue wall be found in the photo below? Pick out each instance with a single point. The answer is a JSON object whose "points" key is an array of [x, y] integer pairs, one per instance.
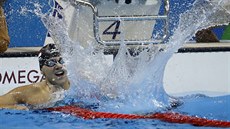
{"points": [[25, 28], [179, 6], [176, 8]]}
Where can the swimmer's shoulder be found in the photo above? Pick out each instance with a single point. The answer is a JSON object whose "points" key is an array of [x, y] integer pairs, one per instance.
{"points": [[29, 87]]}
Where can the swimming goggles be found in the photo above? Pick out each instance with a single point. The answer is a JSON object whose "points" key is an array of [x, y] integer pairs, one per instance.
{"points": [[53, 62]]}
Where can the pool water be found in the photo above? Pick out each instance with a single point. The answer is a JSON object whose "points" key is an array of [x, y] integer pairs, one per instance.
{"points": [[195, 105]]}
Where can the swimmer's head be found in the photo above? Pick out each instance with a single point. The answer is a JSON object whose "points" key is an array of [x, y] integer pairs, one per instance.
{"points": [[47, 52]]}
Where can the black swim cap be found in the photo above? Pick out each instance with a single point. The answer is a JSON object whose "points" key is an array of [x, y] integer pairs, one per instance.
{"points": [[47, 52]]}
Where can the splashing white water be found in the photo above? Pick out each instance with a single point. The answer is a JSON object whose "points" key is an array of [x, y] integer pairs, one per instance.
{"points": [[131, 83]]}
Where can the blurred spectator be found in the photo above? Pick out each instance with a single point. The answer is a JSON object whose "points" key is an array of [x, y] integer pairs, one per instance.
{"points": [[4, 37], [206, 36]]}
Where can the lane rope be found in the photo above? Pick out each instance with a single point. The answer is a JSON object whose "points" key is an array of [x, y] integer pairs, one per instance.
{"points": [[170, 117]]}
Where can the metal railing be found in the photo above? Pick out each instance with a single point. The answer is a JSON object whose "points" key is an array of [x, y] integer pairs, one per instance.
{"points": [[97, 19]]}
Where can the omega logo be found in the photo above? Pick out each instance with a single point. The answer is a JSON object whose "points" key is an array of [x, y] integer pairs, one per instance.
{"points": [[20, 77]]}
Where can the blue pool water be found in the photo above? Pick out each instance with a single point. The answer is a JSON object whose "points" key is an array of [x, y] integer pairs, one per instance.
{"points": [[195, 105]]}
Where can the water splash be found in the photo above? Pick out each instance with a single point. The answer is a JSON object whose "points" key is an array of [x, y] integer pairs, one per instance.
{"points": [[131, 84]]}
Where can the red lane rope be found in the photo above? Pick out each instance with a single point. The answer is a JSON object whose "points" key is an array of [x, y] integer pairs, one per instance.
{"points": [[166, 117]]}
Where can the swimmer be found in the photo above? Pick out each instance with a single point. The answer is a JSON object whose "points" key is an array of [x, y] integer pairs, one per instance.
{"points": [[52, 67]]}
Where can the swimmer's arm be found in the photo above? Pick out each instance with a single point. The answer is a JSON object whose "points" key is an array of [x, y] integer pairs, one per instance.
{"points": [[11, 101], [18, 107]]}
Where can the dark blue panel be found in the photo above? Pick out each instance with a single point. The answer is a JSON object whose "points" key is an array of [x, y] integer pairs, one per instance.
{"points": [[219, 31], [176, 8], [25, 28]]}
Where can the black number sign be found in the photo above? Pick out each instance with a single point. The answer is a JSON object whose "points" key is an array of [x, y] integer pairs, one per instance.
{"points": [[115, 32]]}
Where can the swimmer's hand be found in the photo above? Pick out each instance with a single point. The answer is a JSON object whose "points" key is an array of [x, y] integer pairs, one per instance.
{"points": [[17, 107]]}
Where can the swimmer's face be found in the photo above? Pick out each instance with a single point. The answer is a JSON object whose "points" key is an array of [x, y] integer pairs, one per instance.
{"points": [[54, 71]]}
